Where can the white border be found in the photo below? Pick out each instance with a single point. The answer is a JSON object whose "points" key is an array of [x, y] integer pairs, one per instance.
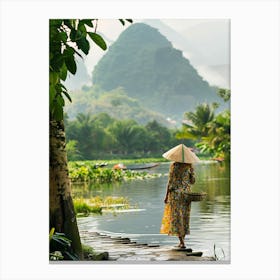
{"points": [[255, 138]]}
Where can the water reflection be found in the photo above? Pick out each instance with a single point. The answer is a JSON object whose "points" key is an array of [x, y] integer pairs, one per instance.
{"points": [[210, 219]]}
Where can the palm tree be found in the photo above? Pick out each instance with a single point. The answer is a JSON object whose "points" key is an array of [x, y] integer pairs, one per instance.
{"points": [[127, 134], [197, 123], [218, 139]]}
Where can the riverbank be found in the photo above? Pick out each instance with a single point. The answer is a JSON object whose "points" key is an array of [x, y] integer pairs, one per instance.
{"points": [[125, 250], [210, 219]]}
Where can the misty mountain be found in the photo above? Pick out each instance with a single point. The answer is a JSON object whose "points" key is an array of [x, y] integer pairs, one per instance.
{"points": [[147, 66]]}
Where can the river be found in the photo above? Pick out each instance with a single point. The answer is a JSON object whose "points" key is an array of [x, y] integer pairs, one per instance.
{"points": [[210, 219]]}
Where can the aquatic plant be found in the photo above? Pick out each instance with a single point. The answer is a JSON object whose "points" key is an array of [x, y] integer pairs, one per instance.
{"points": [[81, 206], [87, 171], [216, 257], [94, 205]]}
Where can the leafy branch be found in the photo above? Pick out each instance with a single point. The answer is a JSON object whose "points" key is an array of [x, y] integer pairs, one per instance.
{"points": [[68, 38]]}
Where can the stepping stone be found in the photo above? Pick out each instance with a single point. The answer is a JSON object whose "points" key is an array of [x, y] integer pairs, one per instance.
{"points": [[194, 254], [93, 233], [188, 250], [122, 241], [140, 244]]}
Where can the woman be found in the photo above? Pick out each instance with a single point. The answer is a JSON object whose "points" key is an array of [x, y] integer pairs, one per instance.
{"points": [[177, 210]]}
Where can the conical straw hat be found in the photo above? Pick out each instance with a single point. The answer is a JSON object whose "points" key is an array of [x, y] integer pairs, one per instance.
{"points": [[181, 153]]}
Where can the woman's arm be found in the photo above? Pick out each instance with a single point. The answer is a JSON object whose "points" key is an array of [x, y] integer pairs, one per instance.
{"points": [[167, 192], [192, 175], [168, 185], [167, 188]]}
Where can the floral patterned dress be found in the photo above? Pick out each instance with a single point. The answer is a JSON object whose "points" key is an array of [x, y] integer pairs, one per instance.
{"points": [[176, 216]]}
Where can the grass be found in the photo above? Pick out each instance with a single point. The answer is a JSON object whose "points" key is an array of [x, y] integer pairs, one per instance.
{"points": [[90, 254], [82, 207], [94, 205], [87, 251]]}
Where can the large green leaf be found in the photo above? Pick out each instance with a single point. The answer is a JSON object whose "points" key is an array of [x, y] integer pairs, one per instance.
{"points": [[60, 100], [67, 95], [98, 40], [52, 94], [69, 23], [51, 233], [71, 64], [73, 34], [55, 22], [56, 62], [71, 256], [57, 112], [63, 72], [88, 22], [63, 36], [83, 44], [81, 27], [54, 78]]}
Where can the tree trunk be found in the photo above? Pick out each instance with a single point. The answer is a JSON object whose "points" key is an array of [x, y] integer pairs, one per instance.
{"points": [[62, 214]]}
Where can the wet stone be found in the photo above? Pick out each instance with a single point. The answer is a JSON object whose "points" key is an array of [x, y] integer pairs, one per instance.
{"points": [[195, 254], [141, 244], [123, 249], [188, 250]]}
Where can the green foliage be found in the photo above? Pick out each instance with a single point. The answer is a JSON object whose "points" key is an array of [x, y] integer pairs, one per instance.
{"points": [[68, 38], [211, 132], [72, 150], [224, 93], [60, 247], [81, 207], [218, 140], [99, 135], [94, 205], [197, 121], [112, 162], [87, 249], [129, 136], [88, 252], [86, 171], [116, 103]]}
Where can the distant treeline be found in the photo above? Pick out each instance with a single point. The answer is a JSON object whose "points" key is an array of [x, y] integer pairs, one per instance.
{"points": [[103, 137]]}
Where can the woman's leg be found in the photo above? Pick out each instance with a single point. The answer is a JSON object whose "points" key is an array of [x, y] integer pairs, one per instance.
{"points": [[182, 243]]}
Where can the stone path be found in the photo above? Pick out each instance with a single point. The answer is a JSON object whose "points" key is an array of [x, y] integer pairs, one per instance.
{"points": [[123, 249]]}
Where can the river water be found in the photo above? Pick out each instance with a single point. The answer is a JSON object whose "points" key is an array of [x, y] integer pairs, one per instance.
{"points": [[210, 219]]}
